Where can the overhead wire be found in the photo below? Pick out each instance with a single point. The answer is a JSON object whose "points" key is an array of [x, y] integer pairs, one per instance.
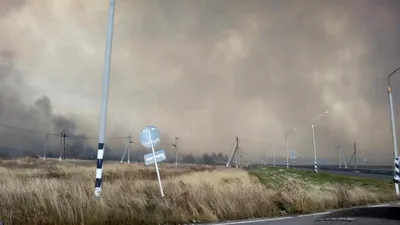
{"points": [[53, 134]]}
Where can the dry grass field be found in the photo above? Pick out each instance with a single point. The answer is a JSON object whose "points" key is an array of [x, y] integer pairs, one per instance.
{"points": [[34, 191]]}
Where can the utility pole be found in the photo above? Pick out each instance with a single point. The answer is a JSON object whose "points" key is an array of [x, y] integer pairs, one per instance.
{"points": [[61, 147], [344, 160], [286, 146], [63, 135], [340, 157], [234, 153], [355, 156], [175, 145], [127, 148], [130, 149], [45, 146], [237, 153]]}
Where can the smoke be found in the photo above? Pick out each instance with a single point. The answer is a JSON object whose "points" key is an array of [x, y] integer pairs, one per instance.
{"points": [[207, 71], [14, 111]]}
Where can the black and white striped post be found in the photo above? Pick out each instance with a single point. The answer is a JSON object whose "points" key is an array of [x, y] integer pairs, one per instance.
{"points": [[394, 137], [103, 114], [396, 171], [315, 166]]}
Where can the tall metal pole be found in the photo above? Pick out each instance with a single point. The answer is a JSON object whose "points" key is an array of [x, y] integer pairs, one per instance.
{"points": [[394, 136], [287, 154], [286, 146], [103, 113], [313, 140], [315, 152]]}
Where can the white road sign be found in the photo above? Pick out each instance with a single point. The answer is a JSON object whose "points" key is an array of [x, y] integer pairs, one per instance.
{"points": [[293, 154], [160, 156], [147, 133]]}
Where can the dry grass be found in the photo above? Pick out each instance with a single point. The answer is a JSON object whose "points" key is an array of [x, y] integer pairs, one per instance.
{"points": [[50, 192]]}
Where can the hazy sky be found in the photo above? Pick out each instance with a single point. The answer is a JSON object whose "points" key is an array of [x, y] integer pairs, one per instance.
{"points": [[208, 70]]}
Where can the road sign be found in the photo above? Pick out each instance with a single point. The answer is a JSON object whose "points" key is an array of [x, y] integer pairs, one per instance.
{"points": [[150, 137], [146, 139], [293, 154], [160, 156]]}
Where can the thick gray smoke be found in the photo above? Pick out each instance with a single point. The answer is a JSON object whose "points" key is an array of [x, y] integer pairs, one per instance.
{"points": [[210, 70], [37, 117]]}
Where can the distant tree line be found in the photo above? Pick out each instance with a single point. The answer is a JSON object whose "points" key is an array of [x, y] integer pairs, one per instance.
{"points": [[79, 151], [209, 159]]}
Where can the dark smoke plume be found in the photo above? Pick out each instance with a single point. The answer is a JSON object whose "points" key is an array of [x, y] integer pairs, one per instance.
{"points": [[35, 120]]}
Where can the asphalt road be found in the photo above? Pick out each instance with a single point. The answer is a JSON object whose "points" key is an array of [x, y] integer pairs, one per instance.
{"points": [[359, 173], [299, 220]]}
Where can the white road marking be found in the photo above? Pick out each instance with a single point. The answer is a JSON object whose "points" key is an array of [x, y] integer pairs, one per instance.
{"points": [[374, 206], [272, 219], [256, 221], [292, 217], [314, 214]]}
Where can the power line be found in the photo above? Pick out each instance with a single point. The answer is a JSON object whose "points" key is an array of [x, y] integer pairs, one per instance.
{"points": [[52, 134], [24, 129]]}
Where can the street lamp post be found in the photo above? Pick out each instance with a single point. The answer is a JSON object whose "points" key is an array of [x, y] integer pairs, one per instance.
{"points": [[287, 151], [394, 138], [313, 140]]}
